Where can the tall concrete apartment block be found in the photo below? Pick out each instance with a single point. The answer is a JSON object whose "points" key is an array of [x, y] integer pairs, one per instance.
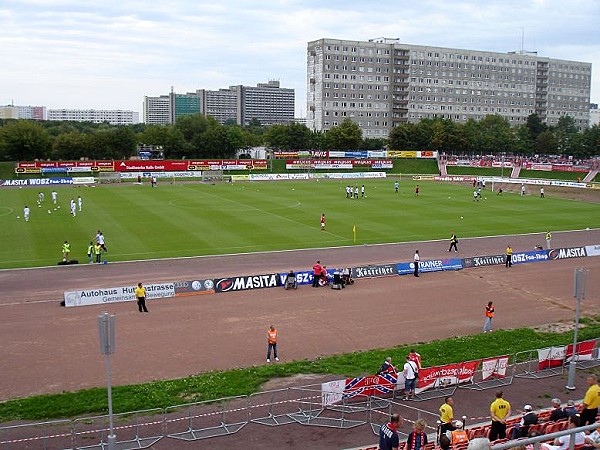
{"points": [[157, 110], [382, 82], [266, 102]]}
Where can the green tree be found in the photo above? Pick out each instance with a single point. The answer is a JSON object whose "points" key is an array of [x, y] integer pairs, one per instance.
{"points": [[546, 143], [70, 146], [564, 133], [346, 136], [25, 140]]}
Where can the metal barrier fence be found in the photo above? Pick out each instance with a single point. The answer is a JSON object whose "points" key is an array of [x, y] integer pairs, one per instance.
{"points": [[492, 373], [306, 405]]}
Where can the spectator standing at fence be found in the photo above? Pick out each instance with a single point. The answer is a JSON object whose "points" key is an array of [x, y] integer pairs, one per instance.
{"points": [[489, 316], [417, 438], [591, 401], [272, 343], [453, 242], [447, 416], [140, 294], [416, 260], [548, 240], [509, 252], [500, 411], [388, 433], [410, 379], [317, 270], [387, 366], [416, 358], [558, 413]]}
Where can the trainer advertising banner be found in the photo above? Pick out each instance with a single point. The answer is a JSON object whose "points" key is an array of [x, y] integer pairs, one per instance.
{"points": [[567, 253], [374, 271], [494, 367], [116, 294], [481, 261], [248, 282], [551, 357], [194, 287], [527, 257], [592, 250], [432, 265]]}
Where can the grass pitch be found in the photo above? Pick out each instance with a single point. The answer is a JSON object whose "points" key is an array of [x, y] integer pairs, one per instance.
{"points": [[140, 222]]}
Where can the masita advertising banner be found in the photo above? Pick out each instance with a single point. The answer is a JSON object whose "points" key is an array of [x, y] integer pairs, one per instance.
{"points": [[432, 265], [248, 282], [567, 253], [117, 294]]}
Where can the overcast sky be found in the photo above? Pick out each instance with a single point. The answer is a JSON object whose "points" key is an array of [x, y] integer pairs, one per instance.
{"points": [[109, 54]]}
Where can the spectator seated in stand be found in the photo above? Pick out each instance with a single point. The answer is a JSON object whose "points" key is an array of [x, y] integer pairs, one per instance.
{"points": [[522, 428], [571, 409], [558, 413], [562, 443]]}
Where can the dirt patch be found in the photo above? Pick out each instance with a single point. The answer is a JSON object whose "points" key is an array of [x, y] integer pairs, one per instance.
{"points": [[557, 327], [301, 379]]}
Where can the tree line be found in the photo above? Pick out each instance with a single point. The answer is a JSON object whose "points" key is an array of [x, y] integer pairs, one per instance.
{"points": [[196, 136]]}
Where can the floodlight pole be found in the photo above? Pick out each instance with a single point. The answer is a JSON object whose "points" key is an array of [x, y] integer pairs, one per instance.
{"points": [[106, 329], [579, 294]]}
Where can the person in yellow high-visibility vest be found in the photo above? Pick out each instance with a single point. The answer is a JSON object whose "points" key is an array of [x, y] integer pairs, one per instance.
{"points": [[98, 251], [548, 240], [66, 249]]}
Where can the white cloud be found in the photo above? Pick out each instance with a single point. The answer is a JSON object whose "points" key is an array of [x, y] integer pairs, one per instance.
{"points": [[109, 54]]}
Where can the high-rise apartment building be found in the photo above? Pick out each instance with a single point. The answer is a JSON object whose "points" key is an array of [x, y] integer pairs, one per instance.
{"points": [[157, 110], [112, 116], [182, 104], [266, 102], [382, 82]]}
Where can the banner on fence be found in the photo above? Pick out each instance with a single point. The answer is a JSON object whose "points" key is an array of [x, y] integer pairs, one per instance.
{"points": [[373, 271], [432, 265], [585, 351], [117, 294], [528, 257], [231, 284], [194, 287], [371, 385], [494, 367], [332, 392], [592, 250], [448, 375], [481, 261], [551, 357], [567, 253]]}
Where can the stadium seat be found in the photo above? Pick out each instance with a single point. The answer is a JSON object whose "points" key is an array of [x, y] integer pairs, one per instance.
{"points": [[476, 432], [543, 416]]}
